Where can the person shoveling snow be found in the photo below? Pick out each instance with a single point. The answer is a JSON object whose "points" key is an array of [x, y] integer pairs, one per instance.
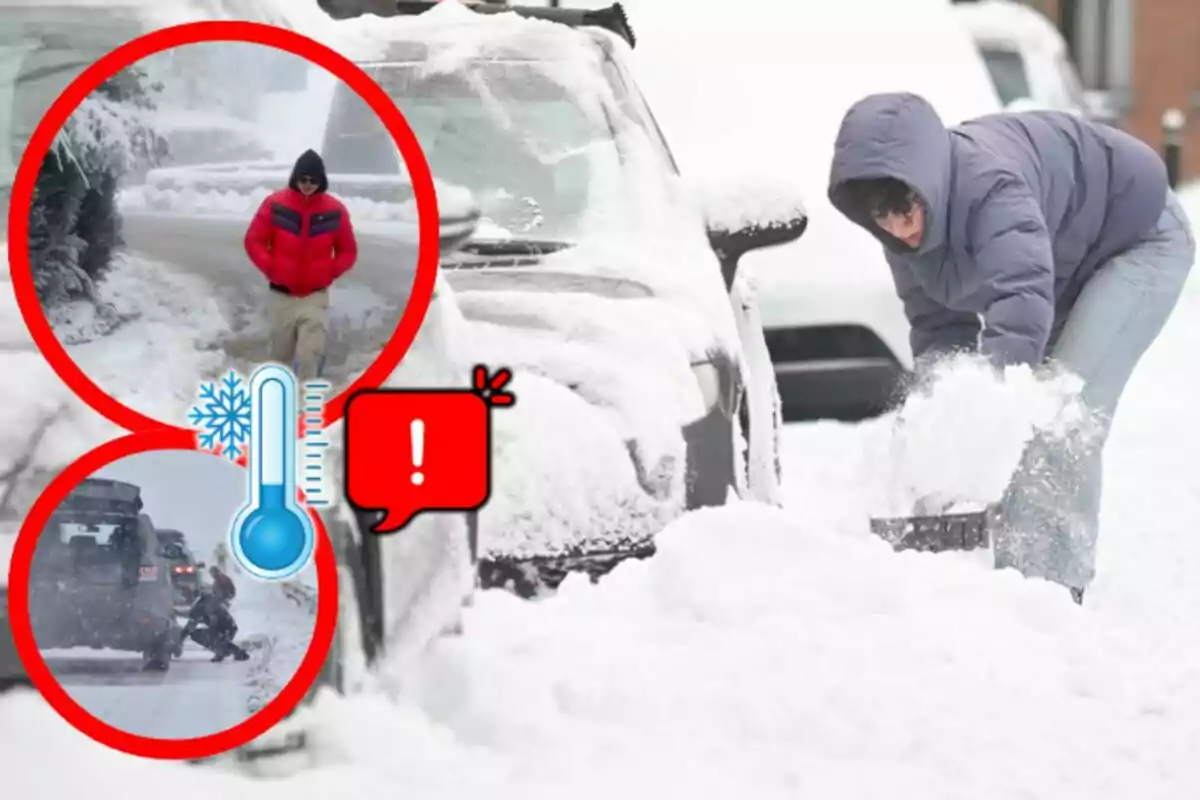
{"points": [[1033, 238]]}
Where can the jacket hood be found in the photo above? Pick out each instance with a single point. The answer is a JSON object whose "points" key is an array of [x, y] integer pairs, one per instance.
{"points": [[900, 136], [309, 163]]}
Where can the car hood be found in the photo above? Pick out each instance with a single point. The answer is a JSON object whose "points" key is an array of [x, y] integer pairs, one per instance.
{"points": [[592, 454]]}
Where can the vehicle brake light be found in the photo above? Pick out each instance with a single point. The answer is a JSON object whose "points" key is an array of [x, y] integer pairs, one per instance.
{"points": [[148, 573]]}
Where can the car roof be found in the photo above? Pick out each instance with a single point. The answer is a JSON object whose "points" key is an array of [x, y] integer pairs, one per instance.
{"points": [[543, 34], [417, 49]]}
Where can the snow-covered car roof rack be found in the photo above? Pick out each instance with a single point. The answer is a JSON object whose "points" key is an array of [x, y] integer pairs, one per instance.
{"points": [[613, 18]]}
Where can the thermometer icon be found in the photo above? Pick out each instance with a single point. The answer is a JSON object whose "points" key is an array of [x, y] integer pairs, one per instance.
{"points": [[272, 537]]}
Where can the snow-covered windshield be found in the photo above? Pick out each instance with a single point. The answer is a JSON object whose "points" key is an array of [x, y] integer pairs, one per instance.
{"points": [[540, 158], [519, 140]]}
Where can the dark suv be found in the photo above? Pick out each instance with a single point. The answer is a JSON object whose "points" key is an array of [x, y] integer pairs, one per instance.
{"points": [[545, 129], [98, 580]]}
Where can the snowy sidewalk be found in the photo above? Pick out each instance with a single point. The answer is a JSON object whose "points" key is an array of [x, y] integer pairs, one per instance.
{"points": [[193, 329]]}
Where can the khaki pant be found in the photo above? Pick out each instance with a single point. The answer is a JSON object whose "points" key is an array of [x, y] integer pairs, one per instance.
{"points": [[299, 332]]}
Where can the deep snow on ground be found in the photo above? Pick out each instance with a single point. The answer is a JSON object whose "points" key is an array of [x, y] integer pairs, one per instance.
{"points": [[787, 652]]}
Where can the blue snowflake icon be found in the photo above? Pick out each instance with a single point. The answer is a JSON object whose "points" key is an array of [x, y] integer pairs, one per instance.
{"points": [[222, 415]]}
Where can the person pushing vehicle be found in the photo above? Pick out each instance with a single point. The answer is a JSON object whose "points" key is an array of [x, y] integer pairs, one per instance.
{"points": [[211, 610], [211, 626], [302, 240], [1028, 237]]}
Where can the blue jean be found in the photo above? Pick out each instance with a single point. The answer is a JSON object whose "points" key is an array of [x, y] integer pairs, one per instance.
{"points": [[1048, 521]]}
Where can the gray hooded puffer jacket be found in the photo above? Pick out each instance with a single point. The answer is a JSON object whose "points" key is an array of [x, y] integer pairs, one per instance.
{"points": [[1021, 210]]}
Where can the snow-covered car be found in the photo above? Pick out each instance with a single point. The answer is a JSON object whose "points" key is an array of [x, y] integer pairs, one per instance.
{"points": [[836, 331], [1025, 54], [642, 382], [12, 671]]}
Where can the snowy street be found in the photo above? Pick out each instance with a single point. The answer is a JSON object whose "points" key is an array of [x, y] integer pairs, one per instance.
{"points": [[193, 699], [767, 652]]}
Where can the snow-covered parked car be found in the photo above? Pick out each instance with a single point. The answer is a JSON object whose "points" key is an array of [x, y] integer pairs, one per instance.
{"points": [[642, 380], [12, 671]]}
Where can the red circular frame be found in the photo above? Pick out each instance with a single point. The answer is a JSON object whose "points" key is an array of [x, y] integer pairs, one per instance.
{"points": [[199, 747], [194, 33]]}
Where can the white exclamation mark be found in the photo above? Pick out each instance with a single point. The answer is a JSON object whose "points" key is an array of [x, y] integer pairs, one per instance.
{"points": [[418, 450]]}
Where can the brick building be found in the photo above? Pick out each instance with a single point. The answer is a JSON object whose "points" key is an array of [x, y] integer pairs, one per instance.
{"points": [[1145, 55]]}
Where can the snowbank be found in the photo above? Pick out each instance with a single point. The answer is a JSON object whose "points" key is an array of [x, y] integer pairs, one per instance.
{"points": [[276, 622]]}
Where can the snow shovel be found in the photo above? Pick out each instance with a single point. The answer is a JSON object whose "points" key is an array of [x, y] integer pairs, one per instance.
{"points": [[931, 527]]}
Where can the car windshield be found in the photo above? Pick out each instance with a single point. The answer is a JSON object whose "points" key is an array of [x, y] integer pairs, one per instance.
{"points": [[1007, 69], [538, 155]]}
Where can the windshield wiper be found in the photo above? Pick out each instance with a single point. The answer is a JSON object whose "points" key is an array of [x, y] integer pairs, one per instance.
{"points": [[513, 247]]}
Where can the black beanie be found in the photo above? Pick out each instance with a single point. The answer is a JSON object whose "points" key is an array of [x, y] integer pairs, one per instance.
{"points": [[310, 164]]}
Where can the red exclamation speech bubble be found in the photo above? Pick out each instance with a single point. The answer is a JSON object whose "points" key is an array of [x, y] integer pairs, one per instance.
{"points": [[415, 450]]}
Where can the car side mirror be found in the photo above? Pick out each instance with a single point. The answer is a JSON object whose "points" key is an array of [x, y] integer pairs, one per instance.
{"points": [[750, 215], [458, 216]]}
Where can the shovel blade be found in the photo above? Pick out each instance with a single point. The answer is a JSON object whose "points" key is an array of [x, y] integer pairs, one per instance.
{"points": [[934, 533]]}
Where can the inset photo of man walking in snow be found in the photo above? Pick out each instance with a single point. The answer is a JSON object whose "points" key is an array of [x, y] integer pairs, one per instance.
{"points": [[203, 233]]}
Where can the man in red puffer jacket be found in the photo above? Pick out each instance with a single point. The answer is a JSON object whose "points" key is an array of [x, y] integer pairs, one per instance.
{"points": [[302, 240]]}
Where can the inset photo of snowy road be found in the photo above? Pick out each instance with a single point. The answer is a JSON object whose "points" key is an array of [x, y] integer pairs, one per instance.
{"points": [[200, 212], [139, 611]]}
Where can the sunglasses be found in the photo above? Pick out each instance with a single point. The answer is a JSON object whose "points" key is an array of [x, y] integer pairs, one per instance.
{"points": [[306, 181]]}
